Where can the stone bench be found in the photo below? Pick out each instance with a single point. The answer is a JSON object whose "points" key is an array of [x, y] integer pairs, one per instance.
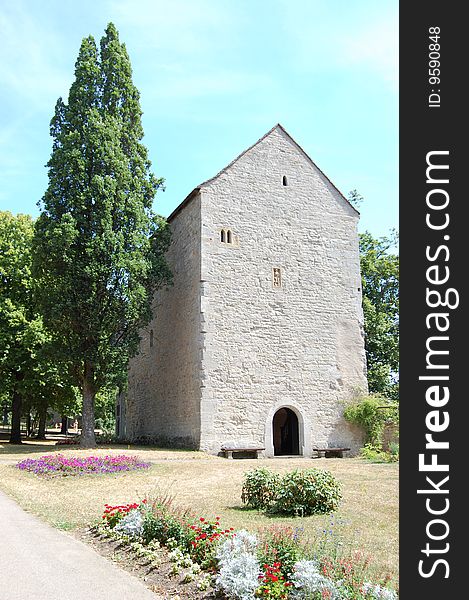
{"points": [[229, 451], [330, 452]]}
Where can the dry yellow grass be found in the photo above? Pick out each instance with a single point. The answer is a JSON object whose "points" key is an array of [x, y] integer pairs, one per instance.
{"points": [[211, 486]]}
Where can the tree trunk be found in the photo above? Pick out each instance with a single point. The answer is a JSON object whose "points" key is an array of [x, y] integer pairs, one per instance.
{"points": [[15, 434], [41, 430], [88, 439], [29, 424], [64, 428]]}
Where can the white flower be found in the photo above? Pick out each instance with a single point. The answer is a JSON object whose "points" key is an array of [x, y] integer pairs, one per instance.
{"points": [[239, 568], [238, 576], [307, 580], [240, 543], [131, 524], [378, 592], [176, 555]]}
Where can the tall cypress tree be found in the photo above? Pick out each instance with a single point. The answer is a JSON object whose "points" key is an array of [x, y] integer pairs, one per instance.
{"points": [[99, 248]]}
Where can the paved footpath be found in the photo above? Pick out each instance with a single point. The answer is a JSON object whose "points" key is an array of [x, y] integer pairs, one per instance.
{"points": [[38, 562]]}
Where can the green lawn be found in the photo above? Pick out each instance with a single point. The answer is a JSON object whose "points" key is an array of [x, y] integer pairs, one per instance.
{"points": [[367, 519]]}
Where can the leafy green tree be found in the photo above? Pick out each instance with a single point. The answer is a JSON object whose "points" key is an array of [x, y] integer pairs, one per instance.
{"points": [[30, 377], [380, 280], [21, 330], [51, 387], [106, 409], [355, 198], [380, 284], [99, 248]]}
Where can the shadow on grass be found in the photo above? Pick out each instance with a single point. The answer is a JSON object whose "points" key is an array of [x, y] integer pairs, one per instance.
{"points": [[274, 516], [32, 444], [147, 448], [35, 446], [27, 447], [254, 511], [242, 508]]}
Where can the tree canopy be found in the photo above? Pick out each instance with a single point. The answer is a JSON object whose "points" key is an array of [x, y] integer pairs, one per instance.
{"points": [[99, 247], [380, 284], [380, 280], [28, 372], [21, 330]]}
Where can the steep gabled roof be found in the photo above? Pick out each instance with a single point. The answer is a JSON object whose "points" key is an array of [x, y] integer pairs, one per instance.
{"points": [[283, 130]]}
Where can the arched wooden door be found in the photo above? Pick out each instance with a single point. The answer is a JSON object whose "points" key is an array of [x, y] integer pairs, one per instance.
{"points": [[286, 433]]}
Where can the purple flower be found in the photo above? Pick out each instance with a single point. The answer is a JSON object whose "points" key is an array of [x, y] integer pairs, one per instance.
{"points": [[58, 464]]}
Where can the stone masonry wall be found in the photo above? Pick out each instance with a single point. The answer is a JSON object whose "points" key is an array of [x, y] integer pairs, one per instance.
{"points": [[301, 345], [163, 399]]}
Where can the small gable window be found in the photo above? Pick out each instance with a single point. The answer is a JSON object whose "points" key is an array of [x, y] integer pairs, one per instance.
{"points": [[226, 236], [285, 180]]}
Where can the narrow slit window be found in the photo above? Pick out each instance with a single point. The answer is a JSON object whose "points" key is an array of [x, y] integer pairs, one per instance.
{"points": [[222, 235], [228, 236], [276, 277], [285, 180]]}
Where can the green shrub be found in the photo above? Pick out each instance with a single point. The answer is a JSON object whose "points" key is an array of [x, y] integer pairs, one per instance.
{"points": [[202, 539], [368, 412], [280, 544], [161, 524], [153, 528], [376, 454], [106, 437], [394, 451], [298, 493], [259, 488], [306, 492]]}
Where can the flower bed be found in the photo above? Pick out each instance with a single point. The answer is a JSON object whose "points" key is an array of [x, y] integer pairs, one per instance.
{"points": [[60, 465], [239, 565]]}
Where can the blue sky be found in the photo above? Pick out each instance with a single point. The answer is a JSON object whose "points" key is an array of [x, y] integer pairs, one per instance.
{"points": [[214, 76]]}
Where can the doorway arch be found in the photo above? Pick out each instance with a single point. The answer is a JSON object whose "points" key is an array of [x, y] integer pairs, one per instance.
{"points": [[286, 432]]}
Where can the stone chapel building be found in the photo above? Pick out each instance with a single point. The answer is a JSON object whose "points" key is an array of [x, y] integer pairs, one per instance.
{"points": [[259, 342]]}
